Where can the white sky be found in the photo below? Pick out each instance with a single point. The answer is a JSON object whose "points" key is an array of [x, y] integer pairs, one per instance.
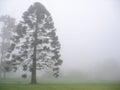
{"points": [[88, 30]]}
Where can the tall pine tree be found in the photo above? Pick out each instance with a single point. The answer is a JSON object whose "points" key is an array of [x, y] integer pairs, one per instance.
{"points": [[35, 44]]}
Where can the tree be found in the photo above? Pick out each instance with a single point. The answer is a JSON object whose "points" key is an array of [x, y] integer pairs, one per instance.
{"points": [[5, 67], [8, 26], [35, 44]]}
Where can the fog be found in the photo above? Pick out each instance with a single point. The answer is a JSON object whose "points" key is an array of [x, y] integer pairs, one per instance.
{"points": [[88, 30]]}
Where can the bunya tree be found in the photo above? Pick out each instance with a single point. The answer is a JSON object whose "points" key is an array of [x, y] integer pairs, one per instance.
{"points": [[35, 45]]}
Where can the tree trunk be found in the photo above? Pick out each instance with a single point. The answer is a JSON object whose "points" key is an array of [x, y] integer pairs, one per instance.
{"points": [[0, 73], [2, 59], [4, 75], [33, 77]]}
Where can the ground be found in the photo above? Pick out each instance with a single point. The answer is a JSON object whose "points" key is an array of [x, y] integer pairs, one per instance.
{"points": [[55, 84]]}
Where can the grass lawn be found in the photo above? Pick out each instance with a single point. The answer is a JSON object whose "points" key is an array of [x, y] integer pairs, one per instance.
{"points": [[59, 87], [54, 84]]}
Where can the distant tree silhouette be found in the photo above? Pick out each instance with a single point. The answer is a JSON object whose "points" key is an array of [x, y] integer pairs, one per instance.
{"points": [[7, 28]]}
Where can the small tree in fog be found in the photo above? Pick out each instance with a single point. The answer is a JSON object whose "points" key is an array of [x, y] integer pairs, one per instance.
{"points": [[35, 44], [7, 27]]}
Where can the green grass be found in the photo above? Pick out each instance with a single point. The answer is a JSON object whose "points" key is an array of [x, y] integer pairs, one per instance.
{"points": [[55, 84], [59, 87]]}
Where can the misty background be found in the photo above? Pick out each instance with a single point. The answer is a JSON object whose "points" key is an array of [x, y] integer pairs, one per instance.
{"points": [[88, 30]]}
